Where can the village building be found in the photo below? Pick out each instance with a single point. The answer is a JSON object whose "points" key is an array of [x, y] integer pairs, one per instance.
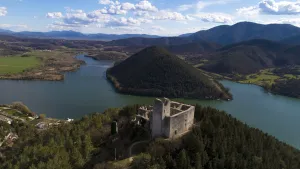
{"points": [[167, 118]]}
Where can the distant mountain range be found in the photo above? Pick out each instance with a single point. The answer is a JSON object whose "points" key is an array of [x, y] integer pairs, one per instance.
{"points": [[244, 31], [72, 35], [223, 35]]}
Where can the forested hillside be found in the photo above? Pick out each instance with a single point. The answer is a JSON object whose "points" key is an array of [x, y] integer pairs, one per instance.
{"points": [[156, 72], [289, 87], [252, 56], [218, 141]]}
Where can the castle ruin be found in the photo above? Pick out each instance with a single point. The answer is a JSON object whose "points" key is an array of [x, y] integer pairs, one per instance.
{"points": [[167, 118]]}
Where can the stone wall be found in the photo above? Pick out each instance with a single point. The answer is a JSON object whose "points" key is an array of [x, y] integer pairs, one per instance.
{"points": [[170, 119], [181, 123], [156, 119]]}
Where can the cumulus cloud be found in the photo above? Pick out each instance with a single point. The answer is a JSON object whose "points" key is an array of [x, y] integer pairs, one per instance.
{"points": [[145, 6], [272, 7], [54, 15], [248, 11], [77, 17], [118, 22], [168, 15], [127, 6], [214, 18], [108, 16], [280, 8], [3, 11]]}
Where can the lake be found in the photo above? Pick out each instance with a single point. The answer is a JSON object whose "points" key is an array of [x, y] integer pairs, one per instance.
{"points": [[87, 90]]}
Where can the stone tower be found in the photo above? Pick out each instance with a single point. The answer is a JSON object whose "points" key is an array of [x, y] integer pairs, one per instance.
{"points": [[161, 110]]}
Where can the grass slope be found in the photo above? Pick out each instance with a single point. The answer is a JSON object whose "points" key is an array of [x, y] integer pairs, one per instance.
{"points": [[17, 64], [154, 71]]}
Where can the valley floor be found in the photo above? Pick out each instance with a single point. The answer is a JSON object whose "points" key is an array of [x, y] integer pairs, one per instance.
{"points": [[39, 65]]}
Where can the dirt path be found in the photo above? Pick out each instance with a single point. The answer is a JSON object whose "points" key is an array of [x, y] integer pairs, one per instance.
{"points": [[134, 144]]}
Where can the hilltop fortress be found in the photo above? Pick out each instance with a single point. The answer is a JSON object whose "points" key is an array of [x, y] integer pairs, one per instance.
{"points": [[167, 118]]}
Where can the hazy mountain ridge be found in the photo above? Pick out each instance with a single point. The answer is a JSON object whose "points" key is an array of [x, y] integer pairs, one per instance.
{"points": [[245, 31], [73, 35]]}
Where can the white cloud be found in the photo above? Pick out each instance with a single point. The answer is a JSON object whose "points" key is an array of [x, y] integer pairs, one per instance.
{"points": [[145, 6], [185, 7], [127, 6], [169, 15], [251, 11], [54, 15], [105, 2], [214, 17], [271, 7], [3, 11], [78, 17], [280, 8], [118, 22]]}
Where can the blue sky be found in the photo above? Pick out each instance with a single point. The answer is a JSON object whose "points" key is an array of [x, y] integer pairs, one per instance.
{"points": [[161, 17]]}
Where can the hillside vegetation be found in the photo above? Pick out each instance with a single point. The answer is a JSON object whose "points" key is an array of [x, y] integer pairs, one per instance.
{"points": [[156, 72], [193, 48], [218, 141], [252, 56], [290, 87]]}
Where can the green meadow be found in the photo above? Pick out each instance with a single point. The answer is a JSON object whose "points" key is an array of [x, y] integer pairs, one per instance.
{"points": [[17, 64]]}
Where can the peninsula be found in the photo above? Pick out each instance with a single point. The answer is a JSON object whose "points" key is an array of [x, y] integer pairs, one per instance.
{"points": [[155, 72]]}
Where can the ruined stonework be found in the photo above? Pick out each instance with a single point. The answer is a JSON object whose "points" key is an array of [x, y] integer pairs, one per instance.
{"points": [[168, 118]]}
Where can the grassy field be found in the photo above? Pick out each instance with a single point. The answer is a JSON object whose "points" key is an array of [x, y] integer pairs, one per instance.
{"points": [[17, 64], [266, 77]]}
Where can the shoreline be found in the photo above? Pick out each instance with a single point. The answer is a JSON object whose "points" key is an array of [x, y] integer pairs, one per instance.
{"points": [[117, 87], [264, 88], [52, 69]]}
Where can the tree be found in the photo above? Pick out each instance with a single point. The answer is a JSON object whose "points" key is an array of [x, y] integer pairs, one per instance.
{"points": [[198, 163], [77, 159], [183, 160], [87, 147]]}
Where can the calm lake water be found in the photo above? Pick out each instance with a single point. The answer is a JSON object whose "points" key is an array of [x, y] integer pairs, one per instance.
{"points": [[87, 91]]}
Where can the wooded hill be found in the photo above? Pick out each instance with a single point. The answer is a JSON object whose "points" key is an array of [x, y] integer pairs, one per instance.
{"points": [[156, 72], [252, 56], [218, 142]]}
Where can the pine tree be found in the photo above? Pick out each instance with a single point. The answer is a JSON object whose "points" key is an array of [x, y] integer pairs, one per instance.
{"points": [[198, 163]]}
